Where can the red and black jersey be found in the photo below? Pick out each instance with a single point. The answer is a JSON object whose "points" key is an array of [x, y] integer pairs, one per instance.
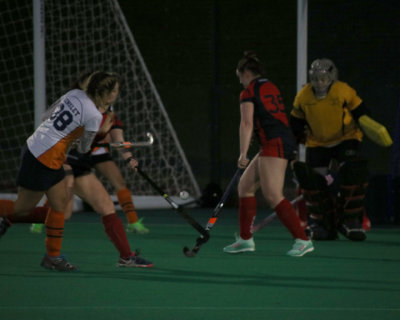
{"points": [[116, 124], [270, 120]]}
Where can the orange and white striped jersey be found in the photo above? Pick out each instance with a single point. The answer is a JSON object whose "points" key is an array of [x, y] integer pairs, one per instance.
{"points": [[75, 114]]}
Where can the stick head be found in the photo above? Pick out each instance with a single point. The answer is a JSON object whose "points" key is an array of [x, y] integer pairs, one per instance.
{"points": [[150, 138], [199, 242], [190, 253]]}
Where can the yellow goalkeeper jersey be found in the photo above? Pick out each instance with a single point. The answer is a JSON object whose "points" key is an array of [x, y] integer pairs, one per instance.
{"points": [[329, 119]]}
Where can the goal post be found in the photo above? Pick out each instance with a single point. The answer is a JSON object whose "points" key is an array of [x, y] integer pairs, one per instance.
{"points": [[82, 35], [39, 60]]}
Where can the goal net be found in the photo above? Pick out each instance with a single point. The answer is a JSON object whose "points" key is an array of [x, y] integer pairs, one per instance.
{"points": [[84, 35]]}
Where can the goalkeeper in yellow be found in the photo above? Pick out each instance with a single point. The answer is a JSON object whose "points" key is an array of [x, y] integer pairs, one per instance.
{"points": [[328, 116]]}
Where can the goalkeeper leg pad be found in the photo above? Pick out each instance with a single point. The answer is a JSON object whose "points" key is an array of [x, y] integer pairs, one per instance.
{"points": [[319, 201], [353, 187]]}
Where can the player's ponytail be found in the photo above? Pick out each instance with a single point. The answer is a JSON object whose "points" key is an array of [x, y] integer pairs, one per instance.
{"points": [[83, 80], [250, 62], [101, 84]]}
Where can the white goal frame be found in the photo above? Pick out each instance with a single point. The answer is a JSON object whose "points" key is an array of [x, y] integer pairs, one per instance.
{"points": [[165, 161]]}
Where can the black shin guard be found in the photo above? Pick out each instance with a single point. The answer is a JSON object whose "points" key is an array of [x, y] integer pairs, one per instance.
{"points": [[353, 187], [320, 203]]}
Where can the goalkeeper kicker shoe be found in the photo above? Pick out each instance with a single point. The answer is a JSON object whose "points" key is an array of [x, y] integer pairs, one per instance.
{"points": [[137, 227], [240, 245], [4, 225], [36, 227], [58, 263], [300, 248], [134, 261], [352, 229]]}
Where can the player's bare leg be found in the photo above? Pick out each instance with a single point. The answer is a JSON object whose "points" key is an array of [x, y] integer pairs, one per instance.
{"points": [[58, 198], [111, 171], [247, 187], [272, 170], [90, 189], [69, 180], [25, 203]]}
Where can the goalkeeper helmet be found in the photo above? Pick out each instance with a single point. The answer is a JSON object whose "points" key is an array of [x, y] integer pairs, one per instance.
{"points": [[322, 74]]}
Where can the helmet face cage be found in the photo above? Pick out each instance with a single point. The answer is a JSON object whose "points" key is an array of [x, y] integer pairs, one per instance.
{"points": [[322, 74], [323, 68]]}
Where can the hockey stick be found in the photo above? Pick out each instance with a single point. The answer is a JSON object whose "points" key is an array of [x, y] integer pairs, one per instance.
{"points": [[181, 211], [127, 145], [201, 240], [272, 217]]}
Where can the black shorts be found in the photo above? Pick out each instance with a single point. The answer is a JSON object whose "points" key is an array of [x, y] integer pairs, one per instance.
{"points": [[34, 175], [321, 157], [279, 144], [80, 163], [104, 157]]}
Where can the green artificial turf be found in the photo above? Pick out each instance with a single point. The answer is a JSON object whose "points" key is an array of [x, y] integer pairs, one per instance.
{"points": [[339, 280]]}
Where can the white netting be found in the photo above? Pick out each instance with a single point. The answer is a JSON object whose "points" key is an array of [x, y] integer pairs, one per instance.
{"points": [[84, 35], [16, 99]]}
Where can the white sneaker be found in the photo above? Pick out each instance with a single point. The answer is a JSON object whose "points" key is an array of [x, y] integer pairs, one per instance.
{"points": [[240, 246], [300, 248]]}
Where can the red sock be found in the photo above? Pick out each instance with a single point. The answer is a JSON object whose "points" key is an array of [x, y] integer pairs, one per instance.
{"points": [[366, 224], [37, 215], [247, 213], [116, 232], [287, 214], [125, 200], [54, 232], [6, 208]]}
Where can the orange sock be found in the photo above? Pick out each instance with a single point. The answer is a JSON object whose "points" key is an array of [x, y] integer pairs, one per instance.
{"points": [[54, 232], [6, 208], [125, 200]]}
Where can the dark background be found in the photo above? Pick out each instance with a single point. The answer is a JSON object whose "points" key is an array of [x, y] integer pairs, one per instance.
{"points": [[191, 49]]}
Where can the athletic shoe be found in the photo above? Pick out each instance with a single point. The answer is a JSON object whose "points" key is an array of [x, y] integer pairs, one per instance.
{"points": [[134, 261], [241, 246], [59, 263], [300, 248], [352, 230], [4, 225], [36, 227], [137, 227]]}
